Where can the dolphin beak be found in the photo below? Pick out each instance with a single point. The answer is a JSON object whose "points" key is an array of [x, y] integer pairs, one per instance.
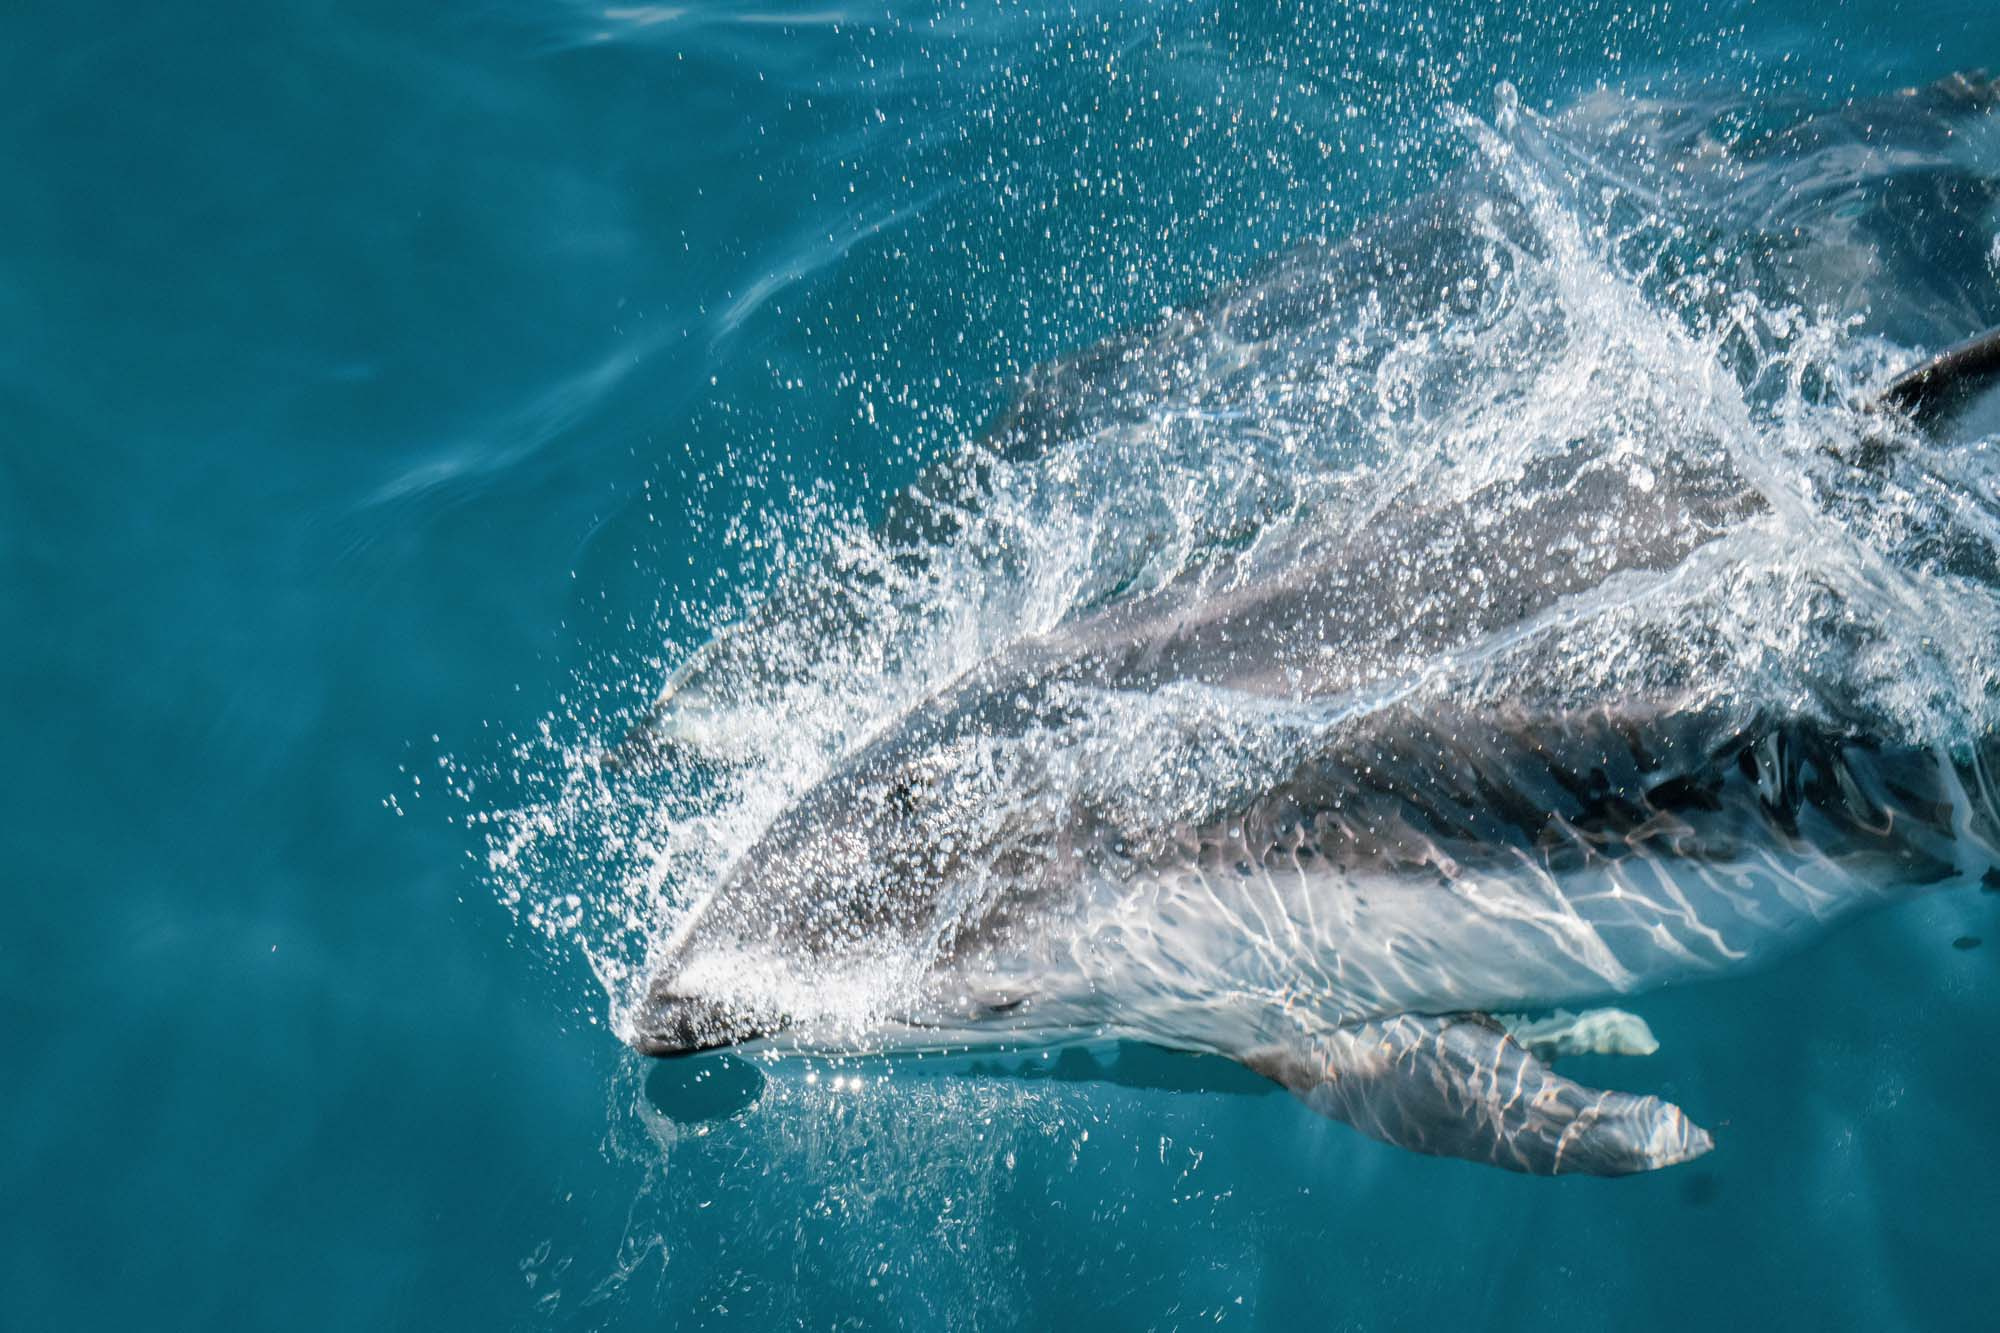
{"points": [[668, 1024]]}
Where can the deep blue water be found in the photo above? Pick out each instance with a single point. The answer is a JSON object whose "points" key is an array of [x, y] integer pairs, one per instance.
{"points": [[377, 377]]}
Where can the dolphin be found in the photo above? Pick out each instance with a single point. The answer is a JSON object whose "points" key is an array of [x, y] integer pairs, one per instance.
{"points": [[1308, 804]]}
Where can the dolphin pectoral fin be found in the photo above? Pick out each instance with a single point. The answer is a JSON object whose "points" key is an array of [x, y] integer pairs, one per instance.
{"points": [[1460, 1086]]}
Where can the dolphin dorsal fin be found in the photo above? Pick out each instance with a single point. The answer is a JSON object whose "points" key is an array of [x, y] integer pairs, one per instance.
{"points": [[1940, 389]]}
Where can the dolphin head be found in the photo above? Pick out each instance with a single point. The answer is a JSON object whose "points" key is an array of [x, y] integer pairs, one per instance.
{"points": [[843, 902]]}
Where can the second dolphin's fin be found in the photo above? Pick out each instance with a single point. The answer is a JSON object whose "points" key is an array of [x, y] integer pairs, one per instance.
{"points": [[1943, 387], [1592, 1032], [1459, 1086]]}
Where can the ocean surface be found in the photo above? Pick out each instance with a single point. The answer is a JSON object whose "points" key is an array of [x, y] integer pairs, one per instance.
{"points": [[393, 395]]}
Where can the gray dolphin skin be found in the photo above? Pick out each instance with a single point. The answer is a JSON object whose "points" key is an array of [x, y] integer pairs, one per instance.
{"points": [[1330, 794]]}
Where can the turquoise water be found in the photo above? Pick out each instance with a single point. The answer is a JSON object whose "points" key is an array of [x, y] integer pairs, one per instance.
{"points": [[383, 381]]}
